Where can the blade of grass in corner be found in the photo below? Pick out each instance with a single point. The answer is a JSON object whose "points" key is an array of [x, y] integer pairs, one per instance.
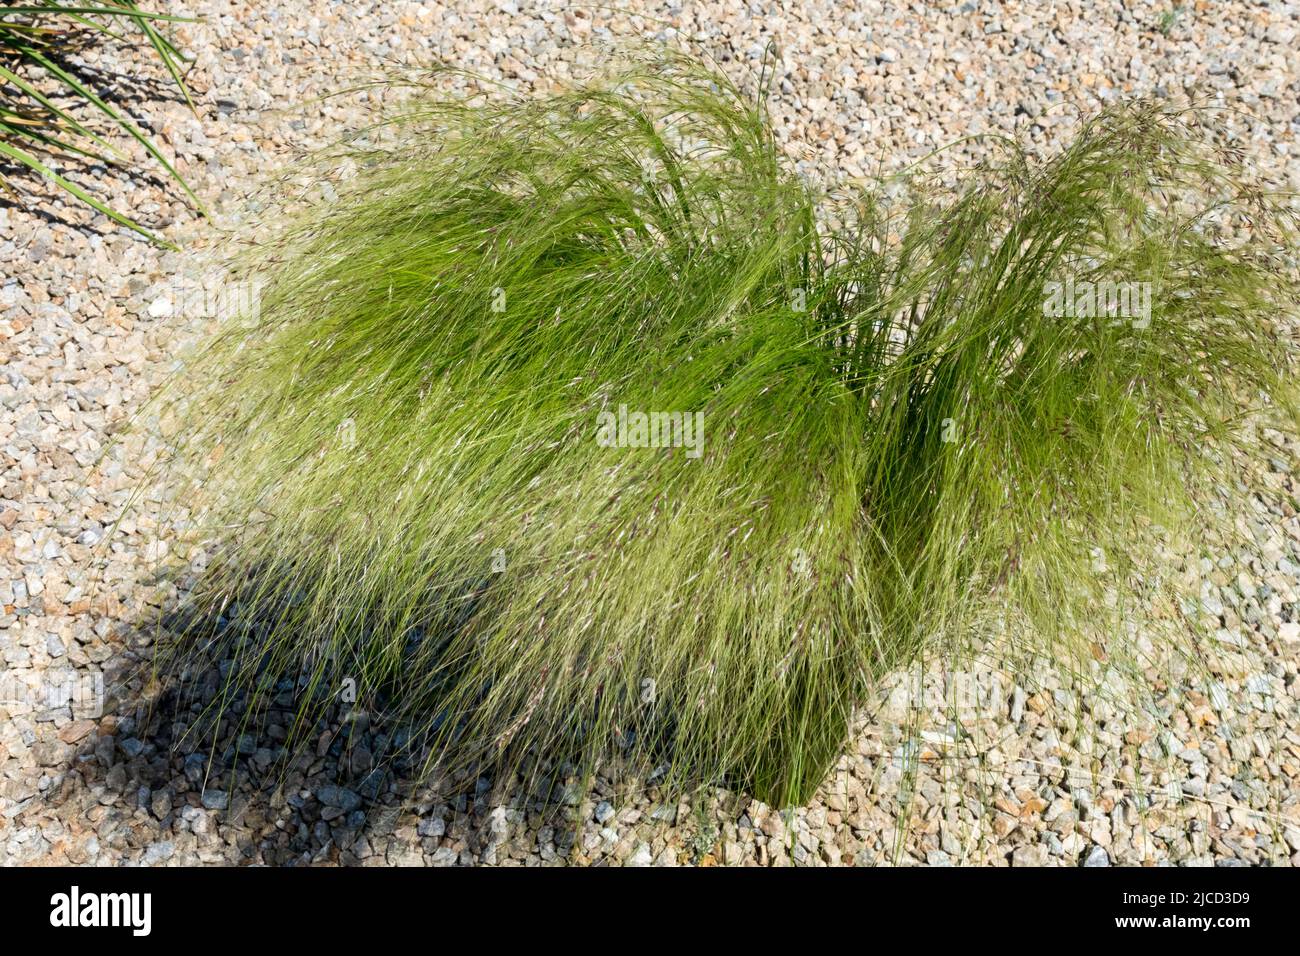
{"points": [[168, 53], [114, 11], [36, 165], [34, 130], [61, 114], [34, 41], [122, 121]]}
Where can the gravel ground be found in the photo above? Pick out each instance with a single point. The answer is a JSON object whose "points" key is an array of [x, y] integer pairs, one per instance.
{"points": [[947, 768]]}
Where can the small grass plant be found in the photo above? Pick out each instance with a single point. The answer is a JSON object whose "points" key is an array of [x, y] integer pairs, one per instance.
{"points": [[50, 119]]}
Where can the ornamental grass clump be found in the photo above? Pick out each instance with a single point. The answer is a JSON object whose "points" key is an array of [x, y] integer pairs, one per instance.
{"points": [[580, 428]]}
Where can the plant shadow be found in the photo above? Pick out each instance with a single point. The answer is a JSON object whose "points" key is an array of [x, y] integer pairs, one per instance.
{"points": [[233, 790]]}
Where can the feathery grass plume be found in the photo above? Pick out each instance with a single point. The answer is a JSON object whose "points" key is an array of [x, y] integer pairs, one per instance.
{"points": [[421, 467]]}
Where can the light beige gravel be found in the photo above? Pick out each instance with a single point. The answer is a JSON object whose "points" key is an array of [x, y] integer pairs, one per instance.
{"points": [[962, 768]]}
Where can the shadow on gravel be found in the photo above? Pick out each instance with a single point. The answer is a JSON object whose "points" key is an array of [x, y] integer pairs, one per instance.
{"points": [[46, 201], [190, 788]]}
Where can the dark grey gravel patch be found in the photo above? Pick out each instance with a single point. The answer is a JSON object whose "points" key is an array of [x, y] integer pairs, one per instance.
{"points": [[339, 797]]}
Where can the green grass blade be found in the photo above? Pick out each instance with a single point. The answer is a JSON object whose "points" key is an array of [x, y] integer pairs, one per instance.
{"points": [[18, 81], [122, 121], [36, 165]]}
